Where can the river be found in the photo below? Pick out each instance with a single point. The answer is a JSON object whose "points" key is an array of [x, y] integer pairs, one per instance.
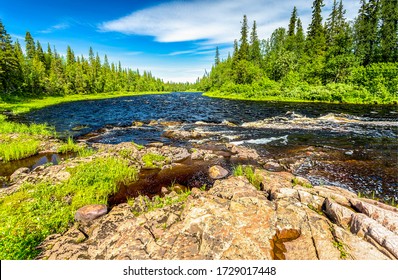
{"points": [[352, 146]]}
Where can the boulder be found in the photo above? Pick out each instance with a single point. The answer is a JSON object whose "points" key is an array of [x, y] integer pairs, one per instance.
{"points": [[19, 174], [217, 172], [89, 213]]}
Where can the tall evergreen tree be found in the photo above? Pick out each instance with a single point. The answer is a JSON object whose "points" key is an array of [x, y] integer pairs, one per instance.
{"points": [[254, 50], [9, 65], [389, 31], [217, 57], [366, 31], [292, 23], [316, 32], [244, 42], [30, 45]]}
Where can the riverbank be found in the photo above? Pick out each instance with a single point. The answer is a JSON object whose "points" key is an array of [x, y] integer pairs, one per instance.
{"points": [[330, 97], [18, 105], [128, 201]]}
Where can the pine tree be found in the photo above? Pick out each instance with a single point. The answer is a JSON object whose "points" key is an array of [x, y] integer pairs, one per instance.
{"points": [[389, 31], [292, 23], [316, 32], [217, 57], [10, 71], [244, 42], [366, 31], [30, 45], [254, 50]]}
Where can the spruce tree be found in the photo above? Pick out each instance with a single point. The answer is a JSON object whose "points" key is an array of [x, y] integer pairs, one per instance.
{"points": [[217, 57], [292, 23], [30, 45], [244, 42], [254, 49], [389, 31], [10, 71]]}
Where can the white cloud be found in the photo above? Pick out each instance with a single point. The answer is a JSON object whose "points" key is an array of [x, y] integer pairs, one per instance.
{"points": [[213, 21], [60, 26]]}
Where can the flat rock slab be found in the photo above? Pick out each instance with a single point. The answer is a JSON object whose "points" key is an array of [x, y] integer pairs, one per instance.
{"points": [[90, 212]]}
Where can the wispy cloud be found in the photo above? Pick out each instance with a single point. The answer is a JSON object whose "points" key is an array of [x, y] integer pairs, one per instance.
{"points": [[211, 21], [57, 27]]}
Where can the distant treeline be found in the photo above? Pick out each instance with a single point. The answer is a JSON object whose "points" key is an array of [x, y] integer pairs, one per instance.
{"points": [[335, 60], [36, 72]]}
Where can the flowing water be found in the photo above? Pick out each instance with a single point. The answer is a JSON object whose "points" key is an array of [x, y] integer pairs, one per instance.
{"points": [[352, 146]]}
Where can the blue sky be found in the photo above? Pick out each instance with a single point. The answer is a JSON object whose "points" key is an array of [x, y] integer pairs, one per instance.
{"points": [[176, 40]]}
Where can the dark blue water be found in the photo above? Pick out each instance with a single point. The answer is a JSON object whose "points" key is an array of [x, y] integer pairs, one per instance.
{"points": [[353, 146]]}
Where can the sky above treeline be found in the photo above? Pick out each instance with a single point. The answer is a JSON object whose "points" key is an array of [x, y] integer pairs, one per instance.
{"points": [[175, 40]]}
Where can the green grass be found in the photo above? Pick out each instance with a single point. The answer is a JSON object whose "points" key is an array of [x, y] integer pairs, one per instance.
{"points": [[7, 127], [19, 141], [18, 148], [28, 216], [153, 160], [69, 147], [249, 173], [22, 105]]}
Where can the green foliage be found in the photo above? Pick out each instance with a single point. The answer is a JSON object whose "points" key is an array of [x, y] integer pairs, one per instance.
{"points": [[341, 247], [18, 148], [19, 141], [69, 147], [153, 160], [335, 62], [249, 173], [32, 213], [94, 181]]}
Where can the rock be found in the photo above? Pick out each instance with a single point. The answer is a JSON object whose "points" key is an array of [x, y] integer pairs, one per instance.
{"points": [[364, 226], [19, 174], [164, 191], [155, 144], [217, 172], [89, 213], [273, 166], [338, 214], [385, 217], [183, 134], [234, 220], [137, 123]]}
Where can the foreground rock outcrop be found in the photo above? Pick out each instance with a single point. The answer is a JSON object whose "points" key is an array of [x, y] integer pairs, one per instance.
{"points": [[287, 219]]}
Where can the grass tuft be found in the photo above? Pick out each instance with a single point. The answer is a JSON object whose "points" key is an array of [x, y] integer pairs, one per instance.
{"points": [[29, 215], [248, 172]]}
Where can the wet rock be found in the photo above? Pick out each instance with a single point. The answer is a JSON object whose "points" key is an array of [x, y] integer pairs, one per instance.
{"points": [[273, 166], [217, 172], [243, 152], [19, 174], [137, 123], [184, 135], [89, 213]]}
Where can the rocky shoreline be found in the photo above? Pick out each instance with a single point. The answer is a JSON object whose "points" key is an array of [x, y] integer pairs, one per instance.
{"points": [[280, 217]]}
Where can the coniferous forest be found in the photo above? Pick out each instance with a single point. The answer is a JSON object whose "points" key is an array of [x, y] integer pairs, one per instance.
{"points": [[335, 60], [36, 72]]}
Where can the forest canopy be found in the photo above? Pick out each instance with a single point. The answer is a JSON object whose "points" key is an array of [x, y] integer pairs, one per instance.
{"points": [[335, 60]]}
